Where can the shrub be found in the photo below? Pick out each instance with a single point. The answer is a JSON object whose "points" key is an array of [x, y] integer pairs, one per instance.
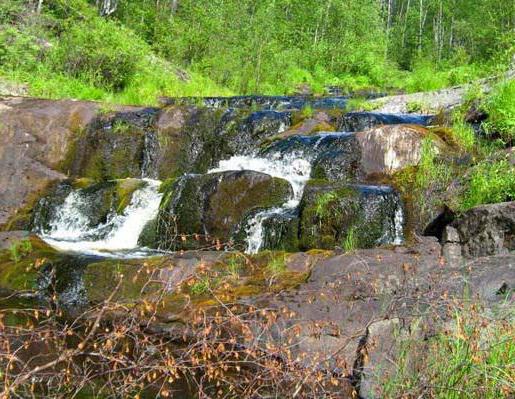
{"points": [[500, 106], [490, 182], [100, 52]]}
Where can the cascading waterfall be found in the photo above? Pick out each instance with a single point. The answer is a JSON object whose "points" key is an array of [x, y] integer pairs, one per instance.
{"points": [[292, 167], [69, 229]]}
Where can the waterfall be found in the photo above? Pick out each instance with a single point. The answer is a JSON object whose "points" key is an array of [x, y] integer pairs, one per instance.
{"points": [[70, 231], [292, 167]]}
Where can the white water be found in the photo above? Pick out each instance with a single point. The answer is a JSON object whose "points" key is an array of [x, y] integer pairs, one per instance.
{"points": [[399, 226], [69, 230], [291, 167]]}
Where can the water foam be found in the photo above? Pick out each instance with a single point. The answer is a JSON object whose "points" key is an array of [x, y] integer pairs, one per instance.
{"points": [[69, 229]]}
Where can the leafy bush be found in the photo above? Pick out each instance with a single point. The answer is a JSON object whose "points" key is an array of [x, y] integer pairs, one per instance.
{"points": [[500, 106], [100, 52], [490, 182]]}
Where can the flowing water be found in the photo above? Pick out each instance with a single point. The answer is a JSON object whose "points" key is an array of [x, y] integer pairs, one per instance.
{"points": [[292, 167], [118, 236]]}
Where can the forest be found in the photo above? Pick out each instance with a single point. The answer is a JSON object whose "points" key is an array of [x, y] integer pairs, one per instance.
{"points": [[134, 51]]}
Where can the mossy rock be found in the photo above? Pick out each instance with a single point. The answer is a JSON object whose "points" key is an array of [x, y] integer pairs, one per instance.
{"points": [[131, 276], [214, 206], [349, 216], [20, 272], [112, 147]]}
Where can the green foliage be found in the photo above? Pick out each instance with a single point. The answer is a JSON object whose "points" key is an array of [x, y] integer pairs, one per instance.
{"points": [[361, 104], [464, 135], [201, 286], [202, 47], [19, 250], [99, 52], [350, 243], [490, 182], [276, 264], [500, 106], [322, 208]]}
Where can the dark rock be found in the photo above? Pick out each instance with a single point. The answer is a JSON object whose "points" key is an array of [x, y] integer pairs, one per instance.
{"points": [[113, 147], [359, 121], [281, 232], [350, 215], [262, 102], [205, 209], [487, 230]]}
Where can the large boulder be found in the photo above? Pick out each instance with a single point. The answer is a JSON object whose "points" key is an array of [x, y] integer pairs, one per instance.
{"points": [[199, 210], [349, 216], [486, 230], [194, 140], [387, 149]]}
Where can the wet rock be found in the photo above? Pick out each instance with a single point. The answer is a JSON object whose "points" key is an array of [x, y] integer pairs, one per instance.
{"points": [[334, 156], [387, 149], [359, 121], [112, 147], [262, 102], [281, 232], [192, 140], [351, 216], [8, 238], [201, 210], [487, 230], [307, 126]]}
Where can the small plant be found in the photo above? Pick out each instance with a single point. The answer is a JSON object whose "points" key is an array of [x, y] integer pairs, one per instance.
{"points": [[277, 264], [322, 204], [416, 107], [307, 111], [121, 127], [350, 243], [201, 286], [362, 104], [19, 250], [234, 266]]}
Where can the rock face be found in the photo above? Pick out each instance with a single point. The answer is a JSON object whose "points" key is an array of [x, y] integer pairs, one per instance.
{"points": [[387, 149], [35, 137], [352, 216], [212, 206], [486, 230]]}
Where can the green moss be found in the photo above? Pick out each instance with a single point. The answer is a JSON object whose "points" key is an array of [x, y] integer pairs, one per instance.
{"points": [[327, 213], [101, 278], [21, 272], [124, 191]]}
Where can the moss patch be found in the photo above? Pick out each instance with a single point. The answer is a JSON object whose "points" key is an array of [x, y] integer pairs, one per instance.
{"points": [[22, 273]]}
